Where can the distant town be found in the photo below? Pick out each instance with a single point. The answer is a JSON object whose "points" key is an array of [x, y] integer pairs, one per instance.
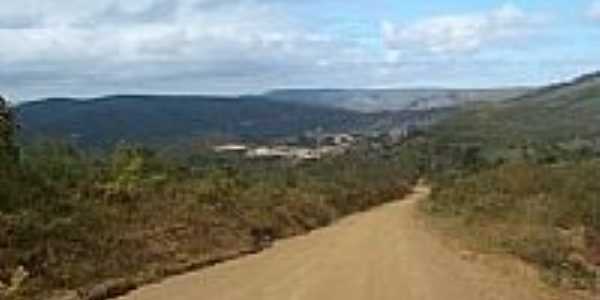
{"points": [[313, 147]]}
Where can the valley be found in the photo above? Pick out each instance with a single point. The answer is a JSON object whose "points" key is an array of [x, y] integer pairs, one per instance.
{"points": [[197, 181], [299, 150]]}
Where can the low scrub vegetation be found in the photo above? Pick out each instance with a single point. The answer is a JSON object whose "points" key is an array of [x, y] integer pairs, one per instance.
{"points": [[523, 177], [548, 215], [71, 219]]}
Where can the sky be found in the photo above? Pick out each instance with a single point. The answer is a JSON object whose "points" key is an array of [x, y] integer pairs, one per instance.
{"points": [[83, 48]]}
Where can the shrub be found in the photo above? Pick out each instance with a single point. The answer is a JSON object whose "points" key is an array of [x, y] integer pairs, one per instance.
{"points": [[527, 209], [73, 219]]}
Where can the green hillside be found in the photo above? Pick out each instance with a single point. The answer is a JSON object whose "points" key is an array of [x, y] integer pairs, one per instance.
{"points": [[522, 177], [554, 114]]}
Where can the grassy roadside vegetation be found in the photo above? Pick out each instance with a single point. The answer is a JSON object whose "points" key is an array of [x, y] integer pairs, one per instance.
{"points": [[70, 220], [523, 177], [546, 215]]}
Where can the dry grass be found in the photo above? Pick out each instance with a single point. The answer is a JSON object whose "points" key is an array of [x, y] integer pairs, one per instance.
{"points": [[547, 215], [73, 222]]}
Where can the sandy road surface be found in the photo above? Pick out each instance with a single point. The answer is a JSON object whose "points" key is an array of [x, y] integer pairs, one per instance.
{"points": [[382, 254]]}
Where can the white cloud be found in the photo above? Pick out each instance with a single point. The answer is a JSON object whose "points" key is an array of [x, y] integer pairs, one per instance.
{"points": [[87, 48], [167, 28], [593, 11], [451, 34], [182, 40]]}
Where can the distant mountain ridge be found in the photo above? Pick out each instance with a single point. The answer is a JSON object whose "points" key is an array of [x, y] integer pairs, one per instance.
{"points": [[162, 119], [377, 100], [563, 88], [158, 119]]}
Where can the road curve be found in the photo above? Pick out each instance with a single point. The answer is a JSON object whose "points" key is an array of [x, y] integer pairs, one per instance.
{"points": [[385, 253]]}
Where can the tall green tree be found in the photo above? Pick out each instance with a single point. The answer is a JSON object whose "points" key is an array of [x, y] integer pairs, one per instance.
{"points": [[7, 131]]}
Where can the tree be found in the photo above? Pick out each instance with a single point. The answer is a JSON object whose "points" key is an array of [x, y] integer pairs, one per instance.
{"points": [[8, 149]]}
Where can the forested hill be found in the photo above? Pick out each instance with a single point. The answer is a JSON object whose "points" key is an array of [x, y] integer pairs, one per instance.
{"points": [[554, 114], [160, 119]]}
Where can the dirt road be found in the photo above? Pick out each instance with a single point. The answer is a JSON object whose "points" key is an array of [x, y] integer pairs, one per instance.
{"points": [[386, 253]]}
